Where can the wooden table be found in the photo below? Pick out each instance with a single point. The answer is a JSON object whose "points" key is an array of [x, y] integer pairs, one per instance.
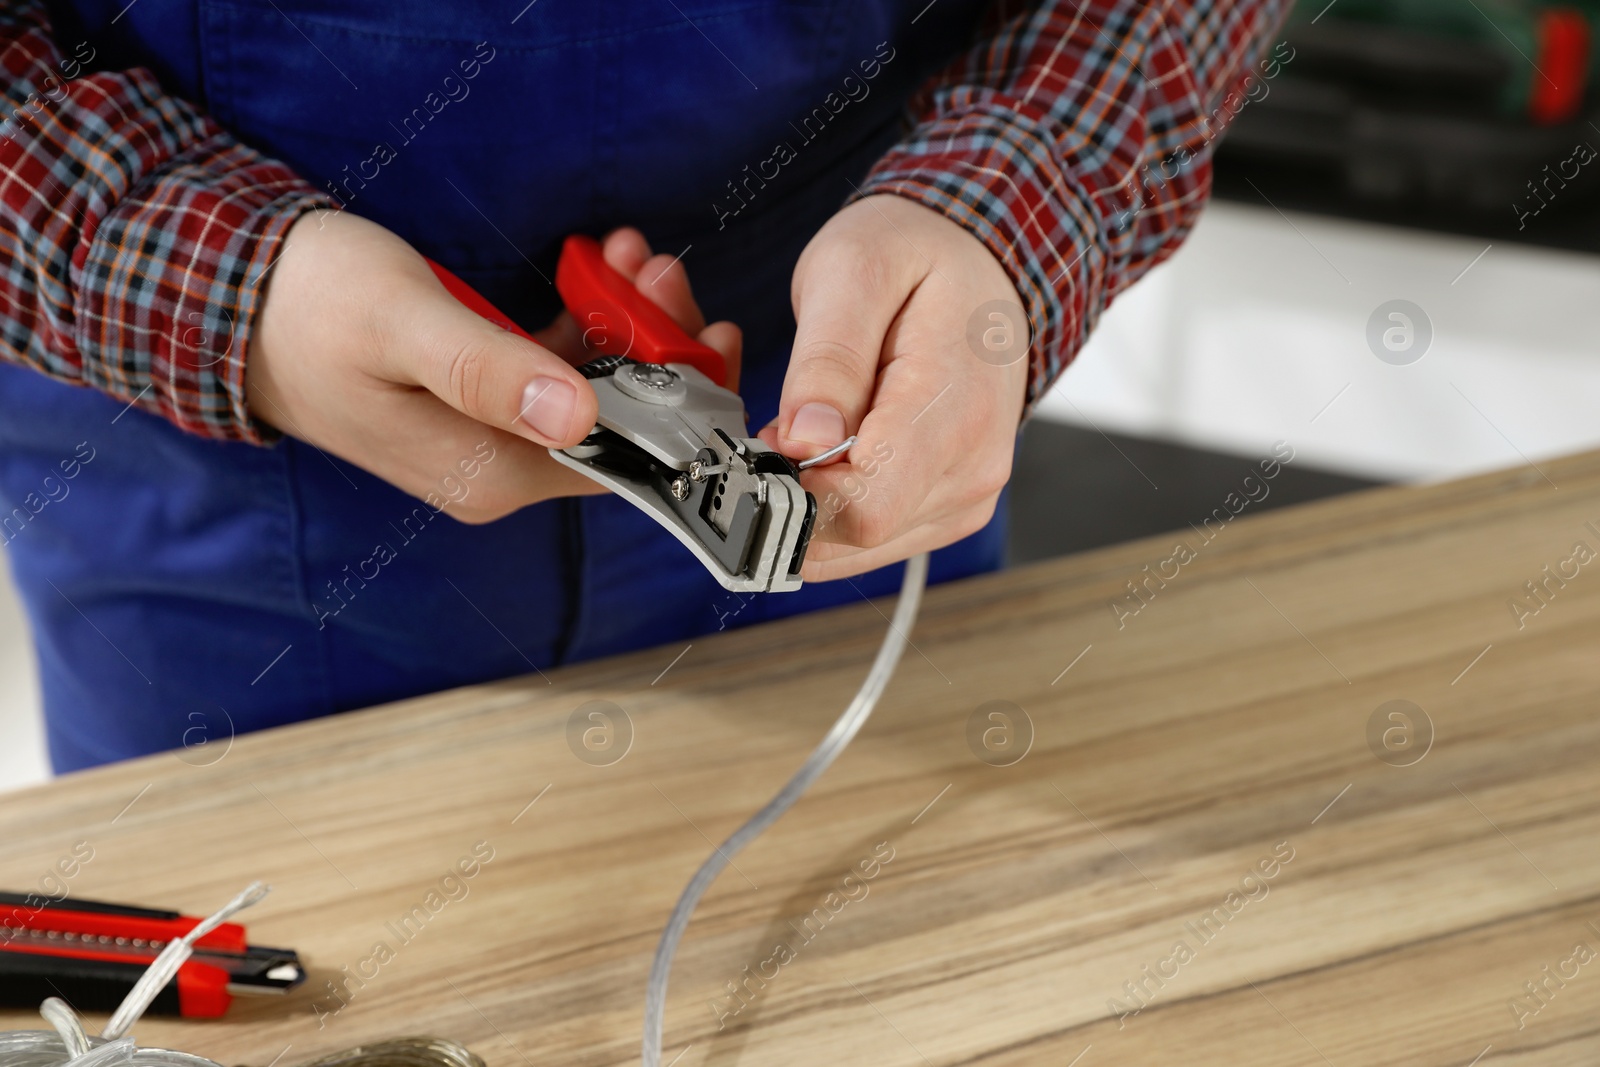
{"points": [[1220, 733]]}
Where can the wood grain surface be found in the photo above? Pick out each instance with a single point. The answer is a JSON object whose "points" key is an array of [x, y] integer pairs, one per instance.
{"points": [[1218, 772]]}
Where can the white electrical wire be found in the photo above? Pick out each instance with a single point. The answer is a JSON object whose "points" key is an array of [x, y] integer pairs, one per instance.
{"points": [[166, 965], [894, 644]]}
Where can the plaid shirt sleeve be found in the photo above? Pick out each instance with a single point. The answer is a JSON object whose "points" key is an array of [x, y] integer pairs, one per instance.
{"points": [[1075, 141], [134, 233]]}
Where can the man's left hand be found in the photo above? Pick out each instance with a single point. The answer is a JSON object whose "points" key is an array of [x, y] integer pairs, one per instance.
{"points": [[886, 297]]}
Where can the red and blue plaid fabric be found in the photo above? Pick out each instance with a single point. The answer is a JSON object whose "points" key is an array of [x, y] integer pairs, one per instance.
{"points": [[135, 233], [1075, 141]]}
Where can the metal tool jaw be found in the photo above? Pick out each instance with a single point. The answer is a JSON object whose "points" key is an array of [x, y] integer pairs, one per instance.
{"points": [[676, 444]]}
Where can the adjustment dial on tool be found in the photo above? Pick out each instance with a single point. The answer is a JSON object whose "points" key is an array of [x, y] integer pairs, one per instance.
{"points": [[650, 382]]}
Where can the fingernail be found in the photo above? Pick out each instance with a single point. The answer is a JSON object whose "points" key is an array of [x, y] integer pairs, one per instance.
{"points": [[817, 424], [547, 405]]}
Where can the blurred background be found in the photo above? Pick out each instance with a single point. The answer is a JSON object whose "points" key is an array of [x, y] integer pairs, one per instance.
{"points": [[1397, 277]]}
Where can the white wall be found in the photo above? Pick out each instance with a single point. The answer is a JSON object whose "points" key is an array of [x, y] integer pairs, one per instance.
{"points": [[22, 760], [1260, 320]]}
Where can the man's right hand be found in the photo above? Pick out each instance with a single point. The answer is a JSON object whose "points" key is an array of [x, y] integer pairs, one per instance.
{"points": [[360, 351]]}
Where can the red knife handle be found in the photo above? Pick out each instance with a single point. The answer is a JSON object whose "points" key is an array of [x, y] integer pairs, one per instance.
{"points": [[229, 937], [98, 983], [616, 319]]}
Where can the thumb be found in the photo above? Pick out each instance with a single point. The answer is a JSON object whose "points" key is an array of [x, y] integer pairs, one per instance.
{"points": [[491, 374], [842, 315]]}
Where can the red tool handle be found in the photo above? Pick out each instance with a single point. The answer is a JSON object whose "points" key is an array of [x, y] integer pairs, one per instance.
{"points": [[474, 300], [616, 319]]}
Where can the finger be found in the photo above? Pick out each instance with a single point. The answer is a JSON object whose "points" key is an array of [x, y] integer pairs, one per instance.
{"points": [[502, 486], [484, 372], [564, 338], [662, 278], [904, 452], [455, 463], [845, 297], [664, 281], [625, 251], [831, 562], [728, 340], [975, 479]]}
